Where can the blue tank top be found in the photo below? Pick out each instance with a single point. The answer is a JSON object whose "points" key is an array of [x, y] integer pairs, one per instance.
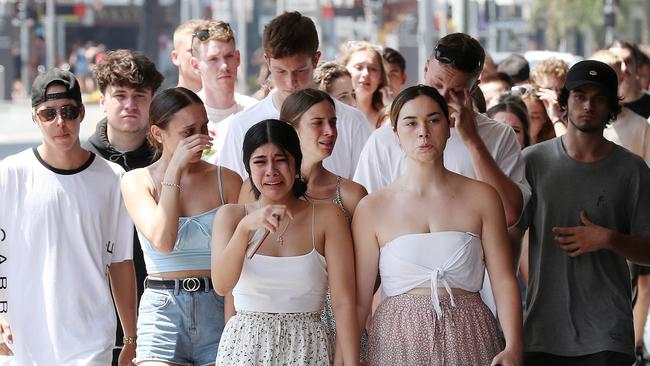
{"points": [[192, 248]]}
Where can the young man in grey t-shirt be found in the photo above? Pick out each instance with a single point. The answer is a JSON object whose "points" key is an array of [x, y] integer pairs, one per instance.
{"points": [[589, 211]]}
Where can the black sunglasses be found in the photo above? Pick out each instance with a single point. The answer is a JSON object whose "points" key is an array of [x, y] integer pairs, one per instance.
{"points": [[451, 56], [204, 34], [67, 112]]}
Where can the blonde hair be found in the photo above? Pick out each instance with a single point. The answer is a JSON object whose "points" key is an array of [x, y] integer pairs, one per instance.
{"points": [[358, 46], [218, 30], [183, 30], [550, 66]]}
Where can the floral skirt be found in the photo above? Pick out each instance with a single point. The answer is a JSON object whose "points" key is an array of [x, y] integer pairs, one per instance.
{"points": [[406, 331], [252, 338]]}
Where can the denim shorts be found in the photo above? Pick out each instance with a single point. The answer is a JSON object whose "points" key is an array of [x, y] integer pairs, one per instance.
{"points": [[180, 327]]}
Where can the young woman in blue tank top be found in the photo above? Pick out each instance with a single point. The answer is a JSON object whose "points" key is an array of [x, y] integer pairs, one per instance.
{"points": [[173, 203], [431, 234], [305, 247]]}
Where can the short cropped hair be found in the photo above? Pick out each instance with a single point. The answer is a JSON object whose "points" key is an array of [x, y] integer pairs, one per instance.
{"points": [[183, 30], [393, 56], [127, 68], [289, 34], [464, 43]]}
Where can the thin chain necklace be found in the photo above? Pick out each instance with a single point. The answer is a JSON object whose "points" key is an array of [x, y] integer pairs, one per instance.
{"points": [[280, 237]]}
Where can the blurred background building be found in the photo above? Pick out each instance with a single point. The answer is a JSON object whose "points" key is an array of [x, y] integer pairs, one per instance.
{"points": [[35, 34]]}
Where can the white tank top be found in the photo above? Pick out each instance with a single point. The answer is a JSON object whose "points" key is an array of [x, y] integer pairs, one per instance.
{"points": [[449, 259], [271, 284]]}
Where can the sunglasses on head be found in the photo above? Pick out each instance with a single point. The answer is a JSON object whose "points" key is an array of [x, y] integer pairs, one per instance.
{"points": [[204, 34], [450, 56], [67, 112]]}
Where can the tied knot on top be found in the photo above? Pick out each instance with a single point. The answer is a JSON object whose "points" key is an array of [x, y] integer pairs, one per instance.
{"points": [[438, 277]]}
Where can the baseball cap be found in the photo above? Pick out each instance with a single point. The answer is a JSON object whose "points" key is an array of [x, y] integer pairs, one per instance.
{"points": [[55, 75], [592, 72]]}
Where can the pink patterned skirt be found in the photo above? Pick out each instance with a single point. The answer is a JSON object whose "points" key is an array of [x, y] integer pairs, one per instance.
{"points": [[406, 331]]}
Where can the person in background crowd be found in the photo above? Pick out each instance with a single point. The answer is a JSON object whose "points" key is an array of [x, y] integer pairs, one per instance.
{"points": [[582, 228], [216, 59], [395, 66], [433, 261], [68, 242], [643, 70], [173, 203], [631, 90], [336, 80], [127, 82], [549, 76], [278, 318], [291, 50], [540, 127], [365, 63], [512, 114], [493, 85], [516, 66], [182, 53]]}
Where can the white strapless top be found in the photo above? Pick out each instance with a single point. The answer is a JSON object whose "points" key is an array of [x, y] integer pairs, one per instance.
{"points": [[449, 259]]}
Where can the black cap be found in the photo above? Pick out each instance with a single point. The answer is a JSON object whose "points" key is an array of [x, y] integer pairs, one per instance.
{"points": [[592, 72], [62, 77]]}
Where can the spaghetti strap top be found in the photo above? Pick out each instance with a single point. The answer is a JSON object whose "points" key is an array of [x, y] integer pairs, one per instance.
{"points": [[193, 241], [448, 259], [295, 284], [339, 202]]}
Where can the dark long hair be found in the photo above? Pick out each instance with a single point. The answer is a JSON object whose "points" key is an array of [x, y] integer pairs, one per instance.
{"points": [[517, 107], [282, 135]]}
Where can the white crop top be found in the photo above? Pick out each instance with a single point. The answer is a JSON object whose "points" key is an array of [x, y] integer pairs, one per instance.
{"points": [[271, 284], [449, 259]]}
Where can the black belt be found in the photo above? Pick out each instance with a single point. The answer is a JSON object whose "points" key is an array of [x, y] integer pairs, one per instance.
{"points": [[190, 284]]}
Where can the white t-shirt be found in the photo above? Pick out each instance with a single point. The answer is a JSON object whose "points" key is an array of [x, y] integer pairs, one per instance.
{"points": [[61, 231], [382, 161], [632, 132], [352, 126], [218, 124]]}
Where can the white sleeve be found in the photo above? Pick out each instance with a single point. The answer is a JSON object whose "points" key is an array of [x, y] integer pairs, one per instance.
{"points": [[512, 164], [368, 169], [360, 133], [123, 231], [231, 156]]}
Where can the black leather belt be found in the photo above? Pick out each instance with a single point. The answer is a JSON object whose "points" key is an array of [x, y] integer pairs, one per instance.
{"points": [[190, 284]]}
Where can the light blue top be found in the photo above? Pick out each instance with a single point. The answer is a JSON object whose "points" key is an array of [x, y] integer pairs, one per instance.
{"points": [[192, 248]]}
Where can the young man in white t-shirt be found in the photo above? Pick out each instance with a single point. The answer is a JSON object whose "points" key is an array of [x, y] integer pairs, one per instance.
{"points": [[215, 58], [290, 44], [65, 234]]}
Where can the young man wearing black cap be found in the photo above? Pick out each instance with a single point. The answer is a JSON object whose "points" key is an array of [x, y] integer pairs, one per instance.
{"points": [[590, 210], [65, 233]]}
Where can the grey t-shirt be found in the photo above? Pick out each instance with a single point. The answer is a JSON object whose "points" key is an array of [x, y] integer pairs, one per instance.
{"points": [[578, 306]]}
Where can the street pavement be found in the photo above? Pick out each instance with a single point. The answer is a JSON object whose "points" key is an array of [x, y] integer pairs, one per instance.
{"points": [[18, 132]]}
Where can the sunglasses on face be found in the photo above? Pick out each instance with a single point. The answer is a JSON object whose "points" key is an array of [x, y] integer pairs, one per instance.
{"points": [[67, 112], [450, 56]]}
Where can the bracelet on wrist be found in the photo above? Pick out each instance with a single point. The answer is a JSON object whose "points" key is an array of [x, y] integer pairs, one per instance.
{"points": [[169, 184], [129, 340]]}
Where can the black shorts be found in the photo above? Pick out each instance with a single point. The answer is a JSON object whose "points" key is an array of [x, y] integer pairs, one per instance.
{"points": [[605, 358]]}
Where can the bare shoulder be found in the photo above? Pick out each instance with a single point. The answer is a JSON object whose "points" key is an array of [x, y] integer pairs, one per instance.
{"points": [[136, 178], [353, 189], [327, 210], [230, 176], [231, 212], [373, 204]]}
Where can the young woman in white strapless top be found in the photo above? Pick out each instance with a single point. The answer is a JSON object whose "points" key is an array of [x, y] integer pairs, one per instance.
{"points": [[431, 234]]}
